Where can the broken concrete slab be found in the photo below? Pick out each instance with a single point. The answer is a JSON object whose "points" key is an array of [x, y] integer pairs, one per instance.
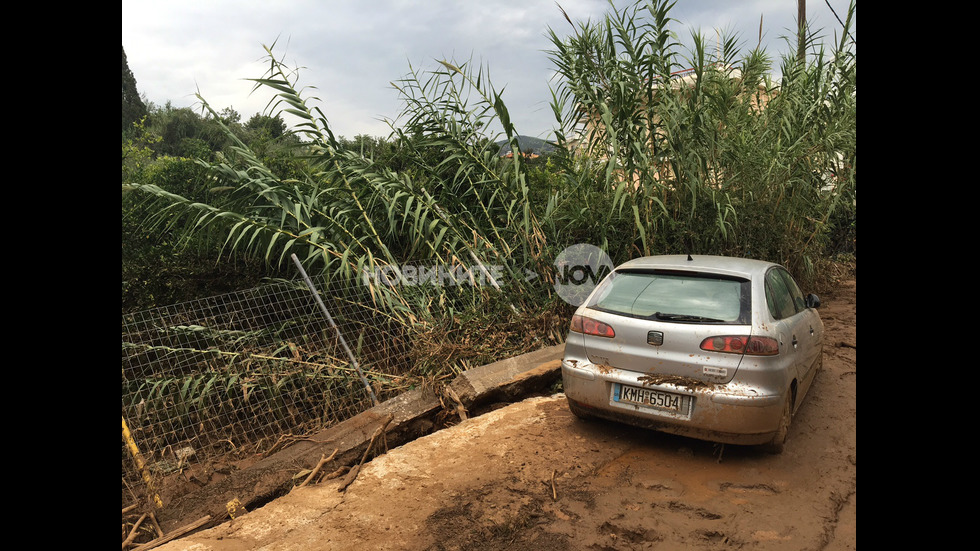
{"points": [[411, 416], [272, 476], [509, 379]]}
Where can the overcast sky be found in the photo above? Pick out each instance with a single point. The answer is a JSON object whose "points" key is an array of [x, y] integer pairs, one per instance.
{"points": [[351, 50]]}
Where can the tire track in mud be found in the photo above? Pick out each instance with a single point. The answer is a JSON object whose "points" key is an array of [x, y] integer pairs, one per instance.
{"points": [[663, 491], [830, 537]]}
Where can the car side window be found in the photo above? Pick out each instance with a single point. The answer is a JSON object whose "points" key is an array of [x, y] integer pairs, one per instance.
{"points": [[794, 290], [778, 297]]}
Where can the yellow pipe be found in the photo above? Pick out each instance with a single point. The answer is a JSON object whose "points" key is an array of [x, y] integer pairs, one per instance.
{"points": [[140, 465]]}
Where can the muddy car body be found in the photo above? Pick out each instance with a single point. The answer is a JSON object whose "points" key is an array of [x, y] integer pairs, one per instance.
{"points": [[717, 348]]}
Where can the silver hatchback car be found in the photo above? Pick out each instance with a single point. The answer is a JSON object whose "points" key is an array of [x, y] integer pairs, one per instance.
{"points": [[717, 348]]}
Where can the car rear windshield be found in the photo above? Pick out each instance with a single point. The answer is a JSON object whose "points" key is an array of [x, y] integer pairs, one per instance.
{"points": [[683, 297]]}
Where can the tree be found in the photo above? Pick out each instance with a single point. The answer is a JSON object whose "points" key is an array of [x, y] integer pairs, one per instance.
{"points": [[185, 133], [133, 108], [265, 127]]}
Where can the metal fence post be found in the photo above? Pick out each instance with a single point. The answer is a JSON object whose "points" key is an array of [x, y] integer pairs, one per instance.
{"points": [[353, 360], [140, 464]]}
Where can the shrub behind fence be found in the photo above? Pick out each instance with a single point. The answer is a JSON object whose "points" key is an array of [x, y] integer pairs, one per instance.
{"points": [[234, 373]]}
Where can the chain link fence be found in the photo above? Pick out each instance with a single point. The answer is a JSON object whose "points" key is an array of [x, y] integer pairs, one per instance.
{"points": [[229, 376]]}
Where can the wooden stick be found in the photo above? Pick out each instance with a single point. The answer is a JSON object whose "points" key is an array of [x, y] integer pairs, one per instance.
{"points": [[132, 533], [319, 465], [156, 525], [339, 472], [554, 492], [275, 447], [349, 478], [175, 534], [353, 472], [281, 443], [380, 430]]}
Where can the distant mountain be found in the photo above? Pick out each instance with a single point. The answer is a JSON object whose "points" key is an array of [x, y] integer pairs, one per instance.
{"points": [[535, 146]]}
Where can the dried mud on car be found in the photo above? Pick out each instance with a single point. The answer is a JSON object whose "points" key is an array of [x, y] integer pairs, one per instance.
{"points": [[678, 380]]}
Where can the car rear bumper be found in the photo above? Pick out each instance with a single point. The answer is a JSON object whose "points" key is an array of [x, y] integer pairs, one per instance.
{"points": [[720, 412]]}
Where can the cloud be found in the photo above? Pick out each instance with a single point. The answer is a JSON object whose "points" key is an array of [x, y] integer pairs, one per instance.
{"points": [[348, 51]]}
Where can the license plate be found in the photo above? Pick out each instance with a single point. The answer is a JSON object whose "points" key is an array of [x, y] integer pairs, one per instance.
{"points": [[648, 397]]}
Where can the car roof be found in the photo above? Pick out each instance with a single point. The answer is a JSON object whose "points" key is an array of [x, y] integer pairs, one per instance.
{"points": [[719, 264]]}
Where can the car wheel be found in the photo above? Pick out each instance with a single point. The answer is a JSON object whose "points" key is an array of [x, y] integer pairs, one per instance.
{"points": [[578, 411], [778, 442]]}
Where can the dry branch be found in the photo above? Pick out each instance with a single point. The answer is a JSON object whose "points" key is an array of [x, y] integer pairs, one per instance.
{"points": [[319, 465], [349, 478], [175, 534], [132, 533], [357, 468], [338, 473], [287, 440], [156, 525]]}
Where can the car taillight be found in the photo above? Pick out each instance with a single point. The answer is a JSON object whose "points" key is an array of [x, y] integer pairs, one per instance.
{"points": [[589, 326], [741, 344]]}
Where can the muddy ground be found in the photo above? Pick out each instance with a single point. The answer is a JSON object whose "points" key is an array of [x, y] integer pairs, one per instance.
{"points": [[532, 476]]}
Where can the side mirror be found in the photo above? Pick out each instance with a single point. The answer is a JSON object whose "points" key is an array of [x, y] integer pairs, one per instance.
{"points": [[812, 301]]}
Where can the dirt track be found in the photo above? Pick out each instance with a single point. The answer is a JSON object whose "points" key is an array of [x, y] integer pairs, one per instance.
{"points": [[532, 476]]}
